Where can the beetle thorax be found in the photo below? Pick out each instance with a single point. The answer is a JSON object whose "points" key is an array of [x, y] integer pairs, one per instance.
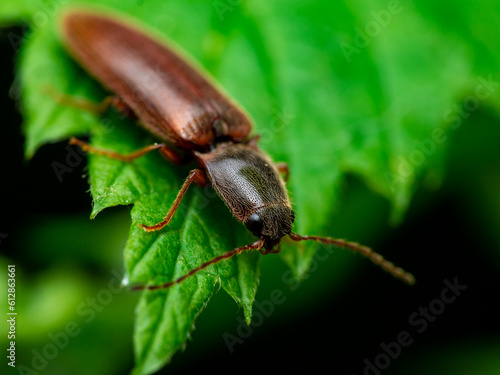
{"points": [[248, 183]]}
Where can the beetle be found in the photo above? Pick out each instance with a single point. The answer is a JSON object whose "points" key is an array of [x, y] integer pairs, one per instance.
{"points": [[195, 121]]}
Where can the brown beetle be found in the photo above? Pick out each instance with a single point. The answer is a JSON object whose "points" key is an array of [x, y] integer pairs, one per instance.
{"points": [[180, 106]]}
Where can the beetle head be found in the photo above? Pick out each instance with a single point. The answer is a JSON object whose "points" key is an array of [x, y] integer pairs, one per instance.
{"points": [[271, 223]]}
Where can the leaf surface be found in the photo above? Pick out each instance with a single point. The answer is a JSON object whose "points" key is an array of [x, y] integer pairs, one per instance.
{"points": [[334, 88]]}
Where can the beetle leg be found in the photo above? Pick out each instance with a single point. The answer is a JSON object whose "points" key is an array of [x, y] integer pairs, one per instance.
{"points": [[196, 175], [88, 105], [253, 141], [121, 106], [172, 155], [257, 245], [81, 103], [165, 150], [272, 251], [282, 168], [376, 258]]}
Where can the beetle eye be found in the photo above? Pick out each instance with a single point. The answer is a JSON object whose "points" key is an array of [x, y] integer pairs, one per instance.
{"points": [[255, 224]]}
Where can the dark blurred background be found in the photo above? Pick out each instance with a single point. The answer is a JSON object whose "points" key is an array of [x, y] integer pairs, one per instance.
{"points": [[451, 233]]}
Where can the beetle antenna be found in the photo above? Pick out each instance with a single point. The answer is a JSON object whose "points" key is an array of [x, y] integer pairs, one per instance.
{"points": [[257, 245], [376, 258]]}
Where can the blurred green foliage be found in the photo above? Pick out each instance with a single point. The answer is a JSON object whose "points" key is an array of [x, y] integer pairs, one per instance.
{"points": [[378, 89]]}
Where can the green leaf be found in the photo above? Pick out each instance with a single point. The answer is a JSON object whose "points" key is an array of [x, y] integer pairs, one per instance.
{"points": [[471, 356], [44, 68], [334, 88], [149, 183]]}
